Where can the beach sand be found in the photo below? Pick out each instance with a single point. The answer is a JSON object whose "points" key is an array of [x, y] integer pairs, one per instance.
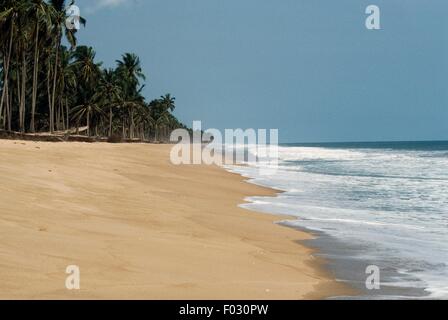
{"points": [[139, 227]]}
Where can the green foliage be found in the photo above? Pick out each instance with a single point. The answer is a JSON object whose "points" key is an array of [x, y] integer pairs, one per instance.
{"points": [[47, 87]]}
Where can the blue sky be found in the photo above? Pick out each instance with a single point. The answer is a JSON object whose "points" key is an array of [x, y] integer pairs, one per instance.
{"points": [[307, 67]]}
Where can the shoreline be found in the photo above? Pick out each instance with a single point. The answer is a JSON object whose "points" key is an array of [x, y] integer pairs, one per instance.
{"points": [[318, 259], [141, 228], [318, 242], [343, 259]]}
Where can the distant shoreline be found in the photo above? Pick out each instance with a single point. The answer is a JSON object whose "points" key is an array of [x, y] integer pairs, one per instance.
{"points": [[11, 135]]}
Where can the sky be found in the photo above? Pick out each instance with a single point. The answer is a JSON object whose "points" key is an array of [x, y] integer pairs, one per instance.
{"points": [[309, 68]]}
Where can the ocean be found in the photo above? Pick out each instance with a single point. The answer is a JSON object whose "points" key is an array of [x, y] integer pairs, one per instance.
{"points": [[381, 204]]}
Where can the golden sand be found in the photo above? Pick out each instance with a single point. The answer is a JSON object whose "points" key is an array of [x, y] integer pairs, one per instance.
{"points": [[139, 227]]}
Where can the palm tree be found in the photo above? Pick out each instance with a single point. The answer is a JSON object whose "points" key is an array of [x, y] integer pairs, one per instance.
{"points": [[161, 109], [42, 14], [86, 109], [109, 93], [41, 78], [144, 120], [8, 17], [85, 65], [168, 102], [66, 87], [59, 27], [130, 70], [24, 30]]}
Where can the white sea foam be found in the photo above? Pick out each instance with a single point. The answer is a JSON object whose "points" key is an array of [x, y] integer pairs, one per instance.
{"points": [[393, 200]]}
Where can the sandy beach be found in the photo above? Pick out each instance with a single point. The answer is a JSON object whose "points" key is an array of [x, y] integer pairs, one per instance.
{"points": [[141, 228]]}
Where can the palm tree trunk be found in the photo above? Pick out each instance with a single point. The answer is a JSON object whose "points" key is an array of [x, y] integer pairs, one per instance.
{"points": [[124, 131], [6, 66], [61, 107], [35, 73], [55, 77], [19, 95], [110, 121], [88, 123], [6, 110], [131, 124], [49, 96], [58, 116], [8, 107], [23, 98], [67, 111]]}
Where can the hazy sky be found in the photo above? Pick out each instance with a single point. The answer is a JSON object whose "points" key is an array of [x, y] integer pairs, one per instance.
{"points": [[307, 67]]}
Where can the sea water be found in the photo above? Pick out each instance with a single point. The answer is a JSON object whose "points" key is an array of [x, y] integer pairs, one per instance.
{"points": [[383, 204]]}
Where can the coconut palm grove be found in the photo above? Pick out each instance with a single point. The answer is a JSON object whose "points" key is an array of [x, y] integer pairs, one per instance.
{"points": [[55, 89]]}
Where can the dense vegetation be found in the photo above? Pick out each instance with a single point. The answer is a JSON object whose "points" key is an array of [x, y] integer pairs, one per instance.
{"points": [[48, 87]]}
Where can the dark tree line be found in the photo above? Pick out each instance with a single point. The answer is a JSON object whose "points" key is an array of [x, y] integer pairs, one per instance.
{"points": [[48, 87]]}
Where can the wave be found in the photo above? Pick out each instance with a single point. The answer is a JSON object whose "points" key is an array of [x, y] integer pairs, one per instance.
{"points": [[392, 202]]}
